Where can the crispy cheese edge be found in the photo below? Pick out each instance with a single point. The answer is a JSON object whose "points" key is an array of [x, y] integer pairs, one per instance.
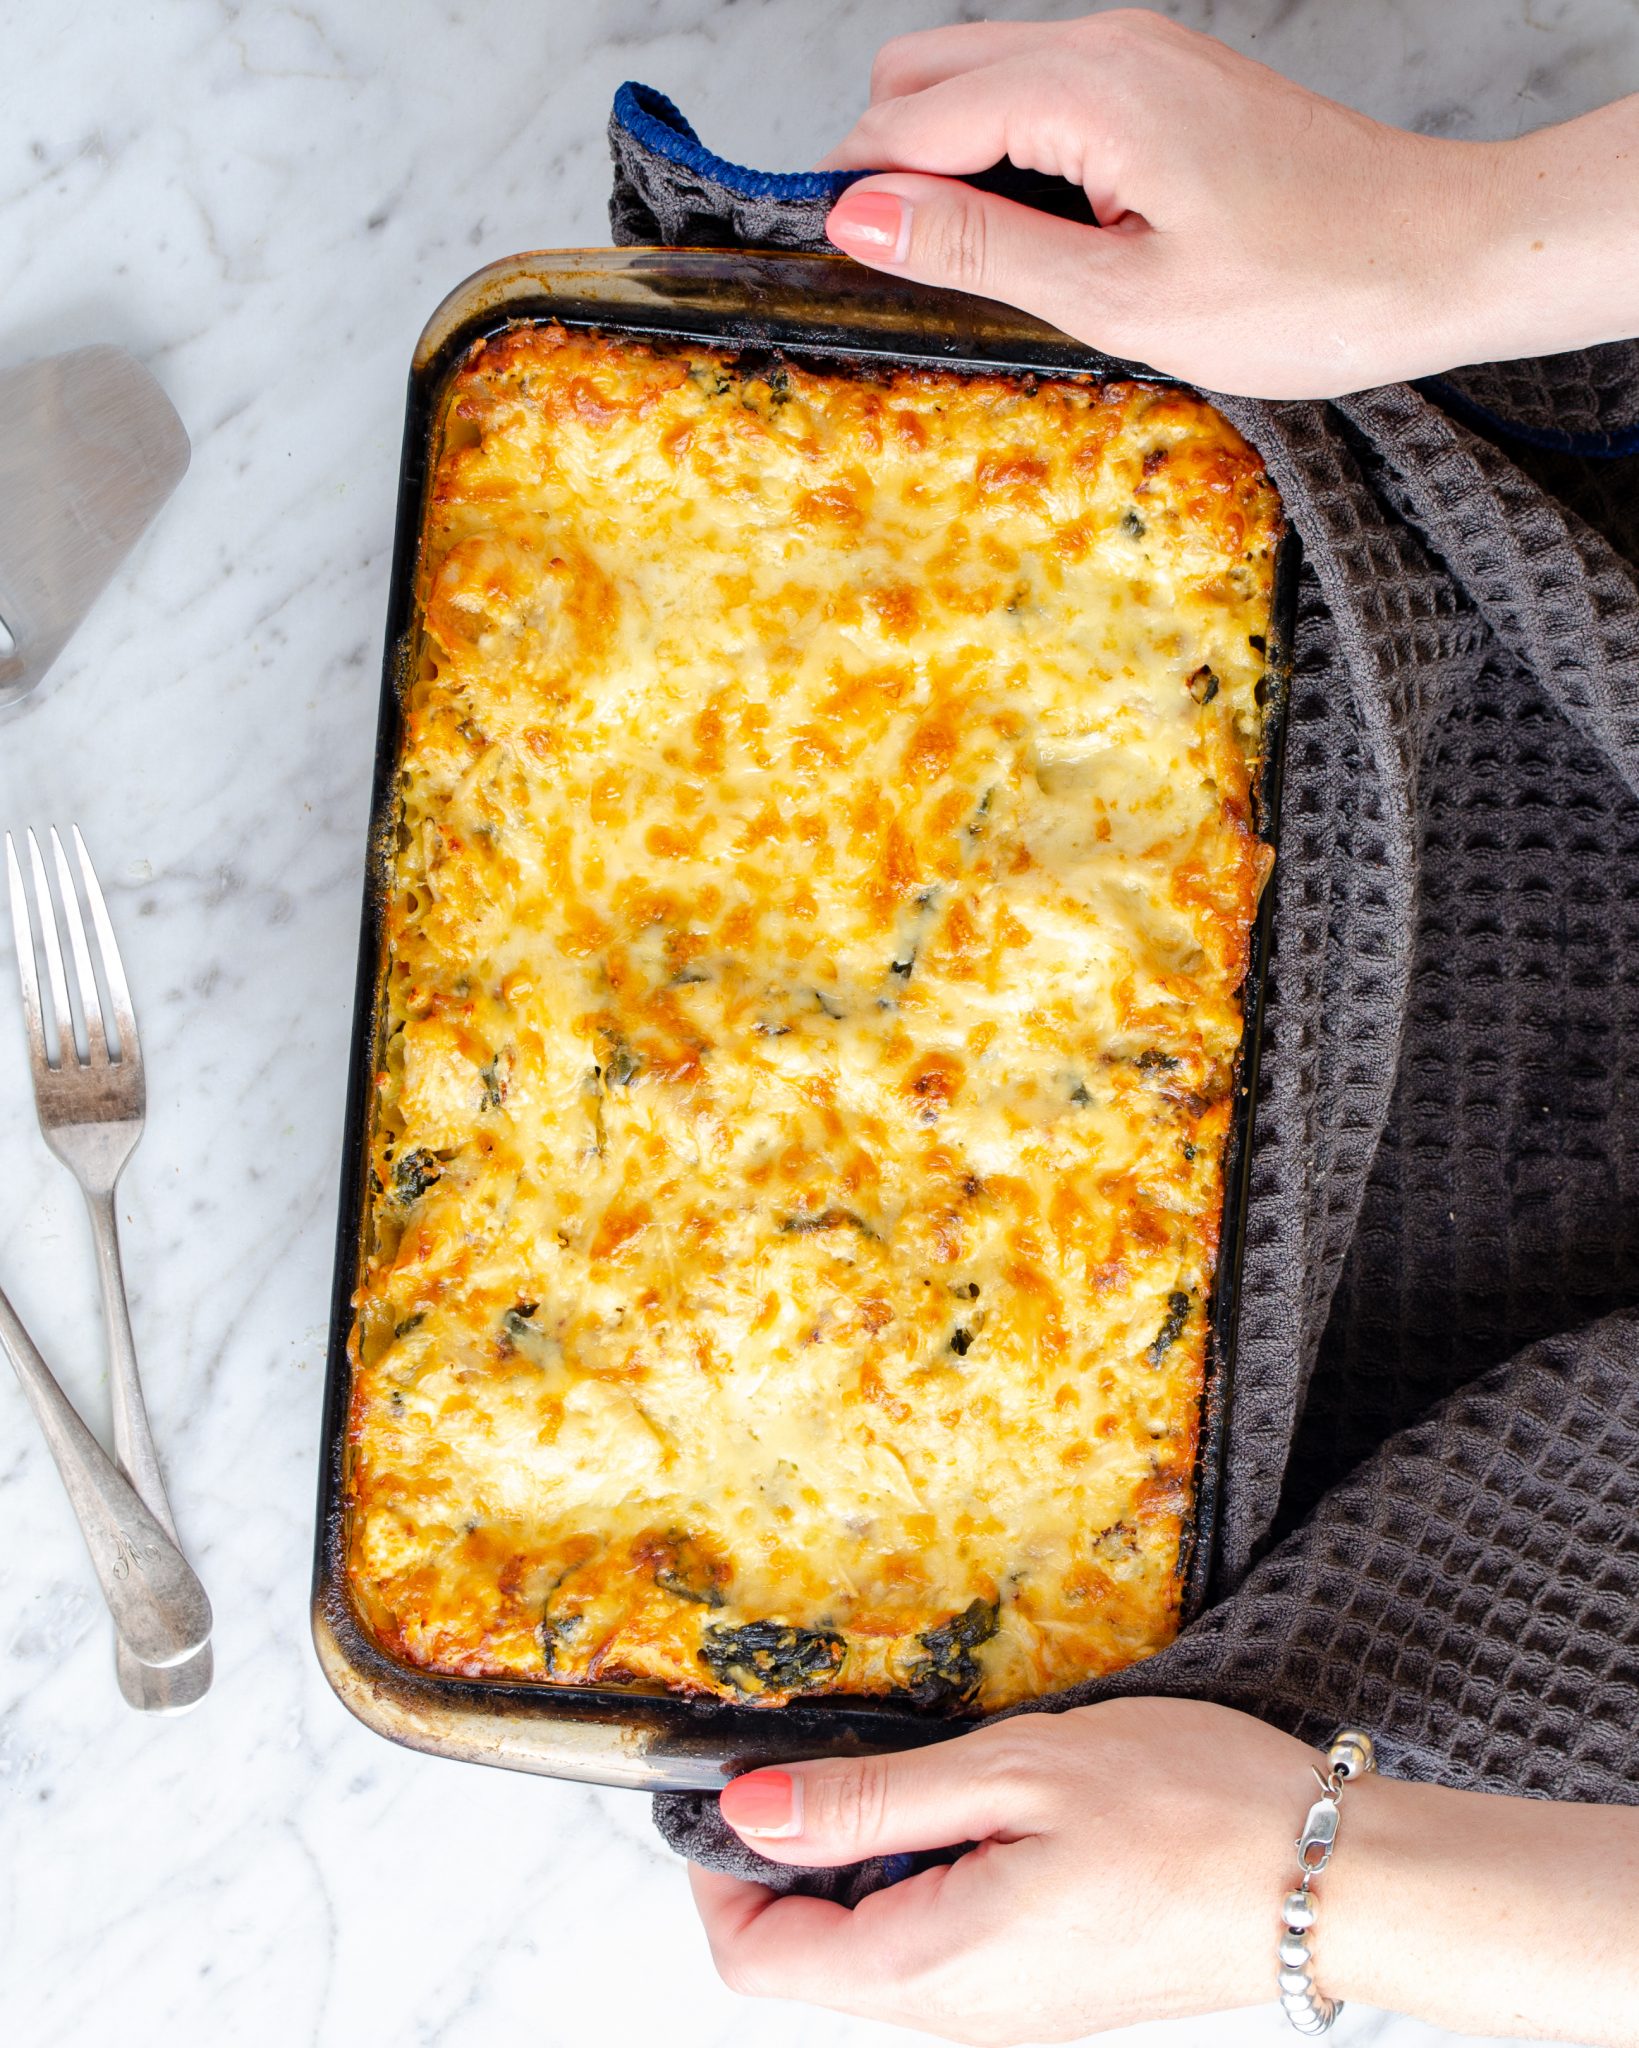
{"points": [[812, 995]]}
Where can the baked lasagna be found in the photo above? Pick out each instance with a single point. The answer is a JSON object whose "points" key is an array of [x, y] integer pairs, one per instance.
{"points": [[815, 934]]}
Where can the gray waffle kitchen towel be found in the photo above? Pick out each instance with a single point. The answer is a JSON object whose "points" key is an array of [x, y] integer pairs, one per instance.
{"points": [[1431, 1515]]}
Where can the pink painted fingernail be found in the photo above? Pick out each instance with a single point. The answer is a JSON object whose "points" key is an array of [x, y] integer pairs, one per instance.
{"points": [[767, 1804], [876, 225]]}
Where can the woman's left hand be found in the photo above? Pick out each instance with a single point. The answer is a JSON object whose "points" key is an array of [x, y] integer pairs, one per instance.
{"points": [[1130, 1863]]}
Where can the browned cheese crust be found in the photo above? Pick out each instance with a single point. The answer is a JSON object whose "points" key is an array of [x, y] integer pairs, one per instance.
{"points": [[812, 995]]}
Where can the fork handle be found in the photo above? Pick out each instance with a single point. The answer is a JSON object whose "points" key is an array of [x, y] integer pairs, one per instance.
{"points": [[133, 1437], [158, 1605], [183, 1685]]}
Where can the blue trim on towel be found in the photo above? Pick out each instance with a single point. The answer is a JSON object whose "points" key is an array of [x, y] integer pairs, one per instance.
{"points": [[896, 1868], [1619, 441], [651, 119]]}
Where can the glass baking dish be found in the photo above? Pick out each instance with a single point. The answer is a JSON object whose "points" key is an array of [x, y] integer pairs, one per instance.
{"points": [[742, 299]]}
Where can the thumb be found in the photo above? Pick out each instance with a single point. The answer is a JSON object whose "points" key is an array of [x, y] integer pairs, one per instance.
{"points": [[990, 1785], [943, 231]]}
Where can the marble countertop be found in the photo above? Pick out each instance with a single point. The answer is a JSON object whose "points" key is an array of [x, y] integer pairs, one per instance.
{"points": [[264, 203]]}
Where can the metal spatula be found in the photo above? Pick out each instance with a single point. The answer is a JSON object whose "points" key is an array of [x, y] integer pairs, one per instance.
{"points": [[90, 448]]}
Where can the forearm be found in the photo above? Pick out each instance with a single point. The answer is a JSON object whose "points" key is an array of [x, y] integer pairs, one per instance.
{"points": [[1132, 1862], [1484, 1914], [1365, 254], [1557, 262]]}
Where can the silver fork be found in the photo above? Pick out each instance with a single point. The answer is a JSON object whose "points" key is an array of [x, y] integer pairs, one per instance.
{"points": [[92, 1108]]}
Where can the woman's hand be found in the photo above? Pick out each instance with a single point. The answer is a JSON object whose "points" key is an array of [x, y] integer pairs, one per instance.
{"points": [[1255, 237], [1130, 1865]]}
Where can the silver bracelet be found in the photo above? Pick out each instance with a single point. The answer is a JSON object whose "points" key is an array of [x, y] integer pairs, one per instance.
{"points": [[1349, 1755]]}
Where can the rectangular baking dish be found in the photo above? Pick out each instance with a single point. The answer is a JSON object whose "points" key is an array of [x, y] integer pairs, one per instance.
{"points": [[739, 299]]}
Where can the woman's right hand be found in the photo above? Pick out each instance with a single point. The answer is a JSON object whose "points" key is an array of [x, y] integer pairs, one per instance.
{"points": [[1255, 237]]}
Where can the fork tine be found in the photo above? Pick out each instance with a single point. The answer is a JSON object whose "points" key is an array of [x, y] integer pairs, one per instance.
{"points": [[96, 1036], [22, 932], [113, 968], [67, 1051]]}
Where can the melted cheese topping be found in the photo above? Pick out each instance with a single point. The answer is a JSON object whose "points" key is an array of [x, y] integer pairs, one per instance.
{"points": [[811, 996]]}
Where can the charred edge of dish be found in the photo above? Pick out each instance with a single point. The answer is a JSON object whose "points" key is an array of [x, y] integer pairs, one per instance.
{"points": [[770, 363]]}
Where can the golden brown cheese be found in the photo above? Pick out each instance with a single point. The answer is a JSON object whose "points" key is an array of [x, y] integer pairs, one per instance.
{"points": [[812, 997]]}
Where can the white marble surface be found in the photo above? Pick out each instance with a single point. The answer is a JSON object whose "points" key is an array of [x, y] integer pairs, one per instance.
{"points": [[265, 202]]}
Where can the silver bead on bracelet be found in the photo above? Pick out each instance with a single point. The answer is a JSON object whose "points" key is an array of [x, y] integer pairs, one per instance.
{"points": [[1349, 1755]]}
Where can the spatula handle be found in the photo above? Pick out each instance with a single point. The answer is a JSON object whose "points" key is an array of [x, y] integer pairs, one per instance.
{"points": [[158, 1604]]}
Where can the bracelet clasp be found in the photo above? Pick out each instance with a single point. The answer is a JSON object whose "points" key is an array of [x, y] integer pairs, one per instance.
{"points": [[1350, 1755], [1319, 1834]]}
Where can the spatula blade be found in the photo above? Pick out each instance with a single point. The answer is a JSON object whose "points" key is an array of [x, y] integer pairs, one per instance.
{"points": [[90, 449]]}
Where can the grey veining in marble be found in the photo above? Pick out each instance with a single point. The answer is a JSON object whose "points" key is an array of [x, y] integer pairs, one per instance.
{"points": [[264, 203]]}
